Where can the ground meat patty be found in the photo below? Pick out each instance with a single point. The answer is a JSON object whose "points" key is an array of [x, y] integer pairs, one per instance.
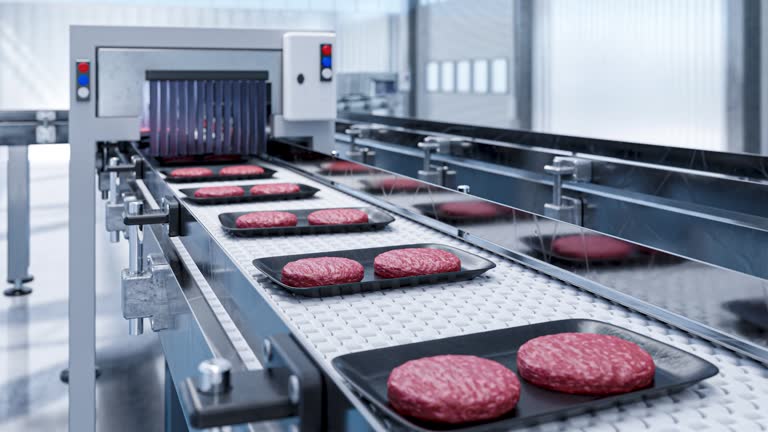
{"points": [[275, 189], [345, 167], [470, 209], [585, 363], [337, 217], [219, 192], [312, 272], [191, 172], [453, 389], [415, 262], [238, 170], [592, 247], [266, 219], [400, 185]]}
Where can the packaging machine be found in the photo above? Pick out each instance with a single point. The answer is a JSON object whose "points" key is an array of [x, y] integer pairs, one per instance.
{"points": [[243, 352]]}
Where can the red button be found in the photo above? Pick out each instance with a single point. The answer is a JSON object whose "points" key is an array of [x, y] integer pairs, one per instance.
{"points": [[83, 67], [326, 50]]}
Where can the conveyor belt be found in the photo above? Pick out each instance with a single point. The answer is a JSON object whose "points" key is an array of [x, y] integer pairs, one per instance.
{"points": [[509, 295]]}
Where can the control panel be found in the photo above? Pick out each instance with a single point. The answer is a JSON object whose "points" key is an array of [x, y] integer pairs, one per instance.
{"points": [[309, 87], [83, 80]]}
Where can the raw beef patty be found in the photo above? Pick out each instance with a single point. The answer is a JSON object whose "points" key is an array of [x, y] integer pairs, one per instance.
{"points": [[219, 192], [400, 185], [585, 363], [275, 189], [592, 247], [239, 170], [415, 262], [266, 219], [312, 272], [453, 389], [344, 167], [468, 209], [337, 217], [191, 172]]}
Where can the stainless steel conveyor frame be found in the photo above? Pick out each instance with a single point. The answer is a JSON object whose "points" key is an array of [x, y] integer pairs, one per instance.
{"points": [[246, 309], [106, 108]]}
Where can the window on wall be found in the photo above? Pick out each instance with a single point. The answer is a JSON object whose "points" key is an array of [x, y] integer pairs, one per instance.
{"points": [[433, 77], [447, 77], [463, 76], [480, 76], [499, 76]]}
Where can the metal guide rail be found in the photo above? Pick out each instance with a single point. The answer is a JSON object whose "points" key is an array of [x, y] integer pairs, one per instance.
{"points": [[507, 296]]}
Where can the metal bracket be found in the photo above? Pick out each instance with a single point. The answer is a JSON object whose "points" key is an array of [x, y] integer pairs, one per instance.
{"points": [[565, 208], [169, 215], [440, 175], [45, 132], [144, 294], [290, 385], [362, 154]]}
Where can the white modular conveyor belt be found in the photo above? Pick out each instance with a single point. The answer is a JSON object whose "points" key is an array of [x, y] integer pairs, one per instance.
{"points": [[509, 295]]}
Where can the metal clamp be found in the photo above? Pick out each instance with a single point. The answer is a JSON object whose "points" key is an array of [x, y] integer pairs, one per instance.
{"points": [[290, 385], [168, 215], [565, 208], [361, 154], [144, 293], [440, 175], [45, 132], [115, 204], [144, 290]]}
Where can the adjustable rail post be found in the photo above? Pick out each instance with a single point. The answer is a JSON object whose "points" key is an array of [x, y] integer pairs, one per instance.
{"points": [[18, 221]]}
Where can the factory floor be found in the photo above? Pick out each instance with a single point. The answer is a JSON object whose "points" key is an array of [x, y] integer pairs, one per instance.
{"points": [[34, 329]]}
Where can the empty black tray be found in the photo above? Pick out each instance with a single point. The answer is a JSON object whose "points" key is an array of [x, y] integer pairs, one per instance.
{"points": [[753, 311], [368, 371], [377, 219], [304, 192], [268, 173], [195, 160], [471, 266]]}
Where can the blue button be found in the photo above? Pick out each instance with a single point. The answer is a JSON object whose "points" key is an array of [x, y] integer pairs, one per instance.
{"points": [[326, 62], [82, 80]]}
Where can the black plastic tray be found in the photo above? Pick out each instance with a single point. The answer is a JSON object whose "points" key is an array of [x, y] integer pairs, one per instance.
{"points": [[367, 372], [471, 266], [377, 219], [542, 245], [753, 311], [268, 173], [304, 192], [374, 187], [199, 160]]}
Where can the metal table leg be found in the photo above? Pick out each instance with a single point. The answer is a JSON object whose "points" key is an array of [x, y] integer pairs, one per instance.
{"points": [[18, 221]]}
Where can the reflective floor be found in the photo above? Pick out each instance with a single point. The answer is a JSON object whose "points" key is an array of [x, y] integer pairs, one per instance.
{"points": [[34, 332]]}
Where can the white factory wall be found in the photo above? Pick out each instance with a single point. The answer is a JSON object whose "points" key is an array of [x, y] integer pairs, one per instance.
{"points": [[651, 71], [34, 42], [459, 30]]}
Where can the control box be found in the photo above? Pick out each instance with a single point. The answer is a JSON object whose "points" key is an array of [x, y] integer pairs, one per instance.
{"points": [[309, 82]]}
